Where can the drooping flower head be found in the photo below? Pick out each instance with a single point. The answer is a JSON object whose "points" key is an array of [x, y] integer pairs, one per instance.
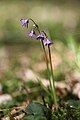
{"points": [[25, 22], [47, 42], [40, 37], [32, 33]]}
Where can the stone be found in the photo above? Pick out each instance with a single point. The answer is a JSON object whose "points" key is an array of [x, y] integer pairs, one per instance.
{"points": [[5, 98]]}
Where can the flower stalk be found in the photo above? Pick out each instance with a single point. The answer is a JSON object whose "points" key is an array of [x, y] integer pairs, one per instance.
{"points": [[52, 79], [46, 59], [44, 42]]}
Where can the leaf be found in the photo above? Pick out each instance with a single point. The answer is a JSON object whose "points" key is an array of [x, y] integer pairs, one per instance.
{"points": [[44, 87], [73, 103], [29, 117], [37, 111]]}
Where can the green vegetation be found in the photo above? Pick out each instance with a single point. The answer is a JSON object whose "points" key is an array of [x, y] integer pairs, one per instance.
{"points": [[21, 58]]}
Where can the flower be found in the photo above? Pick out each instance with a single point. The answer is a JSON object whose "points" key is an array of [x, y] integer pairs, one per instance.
{"points": [[25, 22], [40, 36], [48, 42], [32, 33]]}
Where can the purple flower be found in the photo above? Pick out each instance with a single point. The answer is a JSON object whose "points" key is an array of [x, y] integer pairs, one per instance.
{"points": [[48, 42], [32, 33], [24, 22], [40, 36]]}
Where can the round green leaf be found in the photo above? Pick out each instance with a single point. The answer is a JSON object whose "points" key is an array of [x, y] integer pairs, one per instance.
{"points": [[39, 111]]}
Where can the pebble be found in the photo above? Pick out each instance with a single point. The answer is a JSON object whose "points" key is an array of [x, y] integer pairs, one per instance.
{"points": [[5, 98], [0, 89]]}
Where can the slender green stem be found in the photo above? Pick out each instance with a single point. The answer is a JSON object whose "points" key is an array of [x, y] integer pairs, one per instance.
{"points": [[42, 45], [49, 72], [52, 79], [33, 22], [46, 59], [51, 63]]}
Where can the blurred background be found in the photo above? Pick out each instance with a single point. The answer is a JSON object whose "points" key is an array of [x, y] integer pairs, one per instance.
{"points": [[21, 55]]}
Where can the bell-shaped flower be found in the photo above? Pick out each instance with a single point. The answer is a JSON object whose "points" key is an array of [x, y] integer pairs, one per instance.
{"points": [[47, 42], [40, 37], [32, 33], [25, 22]]}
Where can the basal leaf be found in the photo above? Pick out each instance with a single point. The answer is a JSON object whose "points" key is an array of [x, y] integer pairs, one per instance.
{"points": [[39, 111]]}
